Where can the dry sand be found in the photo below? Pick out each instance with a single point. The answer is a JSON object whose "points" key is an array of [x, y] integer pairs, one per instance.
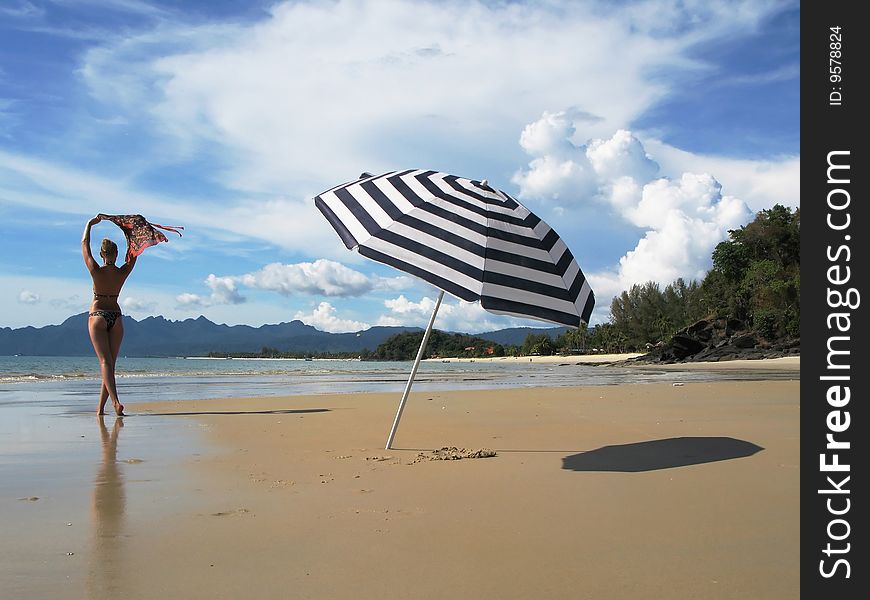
{"points": [[629, 491]]}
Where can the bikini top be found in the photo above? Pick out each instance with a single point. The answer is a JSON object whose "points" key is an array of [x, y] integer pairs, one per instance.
{"points": [[96, 295]]}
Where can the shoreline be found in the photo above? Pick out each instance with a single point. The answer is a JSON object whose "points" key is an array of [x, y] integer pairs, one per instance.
{"points": [[579, 359], [624, 360]]}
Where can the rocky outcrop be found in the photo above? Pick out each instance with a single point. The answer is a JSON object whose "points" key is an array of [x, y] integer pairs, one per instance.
{"points": [[718, 339]]}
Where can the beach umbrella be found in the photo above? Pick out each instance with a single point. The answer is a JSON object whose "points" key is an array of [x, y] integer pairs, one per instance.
{"points": [[466, 238]]}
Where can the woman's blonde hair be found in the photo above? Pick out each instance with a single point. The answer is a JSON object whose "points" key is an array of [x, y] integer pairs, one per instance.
{"points": [[108, 248]]}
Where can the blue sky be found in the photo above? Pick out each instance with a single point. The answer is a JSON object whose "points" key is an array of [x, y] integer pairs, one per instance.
{"points": [[642, 131]]}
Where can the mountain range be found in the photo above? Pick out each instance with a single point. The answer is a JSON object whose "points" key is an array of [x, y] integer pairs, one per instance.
{"points": [[157, 336]]}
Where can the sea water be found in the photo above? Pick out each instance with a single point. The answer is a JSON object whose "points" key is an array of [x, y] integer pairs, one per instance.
{"points": [[72, 383]]}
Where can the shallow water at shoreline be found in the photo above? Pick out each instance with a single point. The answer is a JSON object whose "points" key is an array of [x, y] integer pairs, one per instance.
{"points": [[69, 381]]}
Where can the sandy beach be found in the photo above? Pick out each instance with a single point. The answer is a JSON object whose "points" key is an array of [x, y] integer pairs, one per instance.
{"points": [[555, 358], [788, 363], [620, 491]]}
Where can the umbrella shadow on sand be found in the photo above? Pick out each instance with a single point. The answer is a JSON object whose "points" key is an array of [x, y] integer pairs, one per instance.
{"points": [[660, 454]]}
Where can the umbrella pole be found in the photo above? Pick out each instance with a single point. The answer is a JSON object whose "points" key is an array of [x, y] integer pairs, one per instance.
{"points": [[414, 371]]}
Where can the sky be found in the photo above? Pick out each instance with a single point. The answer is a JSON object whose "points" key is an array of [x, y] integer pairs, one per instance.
{"points": [[642, 132]]}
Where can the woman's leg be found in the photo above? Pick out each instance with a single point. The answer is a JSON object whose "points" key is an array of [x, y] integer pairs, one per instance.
{"points": [[100, 336], [116, 336]]}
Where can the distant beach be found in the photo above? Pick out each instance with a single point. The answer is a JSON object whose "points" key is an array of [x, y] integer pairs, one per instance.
{"points": [[784, 363], [554, 358]]}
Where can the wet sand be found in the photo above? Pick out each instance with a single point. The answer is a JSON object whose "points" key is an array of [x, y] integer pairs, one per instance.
{"points": [[625, 491]]}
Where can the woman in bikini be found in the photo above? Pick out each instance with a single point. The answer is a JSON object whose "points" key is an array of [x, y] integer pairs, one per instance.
{"points": [[105, 325]]}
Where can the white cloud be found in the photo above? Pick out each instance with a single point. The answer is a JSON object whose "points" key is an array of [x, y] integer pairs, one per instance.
{"points": [[686, 219], [568, 173], [188, 300], [223, 290], [324, 318], [622, 155], [28, 297], [292, 136], [571, 173], [130, 304], [559, 179], [683, 218], [454, 63], [759, 183], [322, 276], [553, 134], [459, 316], [406, 312]]}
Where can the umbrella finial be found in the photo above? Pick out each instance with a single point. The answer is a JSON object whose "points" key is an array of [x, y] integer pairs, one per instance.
{"points": [[484, 183], [365, 175]]}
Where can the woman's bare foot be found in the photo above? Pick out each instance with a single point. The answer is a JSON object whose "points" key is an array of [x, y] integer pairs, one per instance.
{"points": [[119, 409]]}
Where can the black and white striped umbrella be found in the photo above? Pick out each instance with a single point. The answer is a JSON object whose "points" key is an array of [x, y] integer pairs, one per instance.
{"points": [[465, 237]]}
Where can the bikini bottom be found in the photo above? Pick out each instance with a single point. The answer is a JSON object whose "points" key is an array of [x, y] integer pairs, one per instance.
{"points": [[109, 315]]}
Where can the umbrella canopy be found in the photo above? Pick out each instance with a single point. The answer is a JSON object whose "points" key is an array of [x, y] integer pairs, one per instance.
{"points": [[463, 236]]}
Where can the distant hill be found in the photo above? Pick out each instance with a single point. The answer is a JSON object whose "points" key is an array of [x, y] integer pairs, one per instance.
{"points": [[156, 336]]}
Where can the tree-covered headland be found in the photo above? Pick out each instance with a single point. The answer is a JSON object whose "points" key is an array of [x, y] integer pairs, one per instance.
{"points": [[753, 289]]}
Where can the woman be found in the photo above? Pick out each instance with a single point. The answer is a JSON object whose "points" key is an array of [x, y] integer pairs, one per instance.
{"points": [[104, 323]]}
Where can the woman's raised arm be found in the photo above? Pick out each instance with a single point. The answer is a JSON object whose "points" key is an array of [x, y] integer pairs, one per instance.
{"points": [[90, 263]]}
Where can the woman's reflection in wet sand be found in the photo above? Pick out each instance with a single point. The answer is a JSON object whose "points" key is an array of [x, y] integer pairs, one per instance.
{"points": [[107, 518]]}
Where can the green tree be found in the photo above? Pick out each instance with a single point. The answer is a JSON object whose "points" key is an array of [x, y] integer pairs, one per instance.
{"points": [[538, 343], [755, 278], [573, 340], [756, 274], [404, 346]]}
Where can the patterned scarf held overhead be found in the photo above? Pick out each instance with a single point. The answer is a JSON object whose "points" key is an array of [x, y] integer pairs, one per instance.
{"points": [[140, 233]]}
